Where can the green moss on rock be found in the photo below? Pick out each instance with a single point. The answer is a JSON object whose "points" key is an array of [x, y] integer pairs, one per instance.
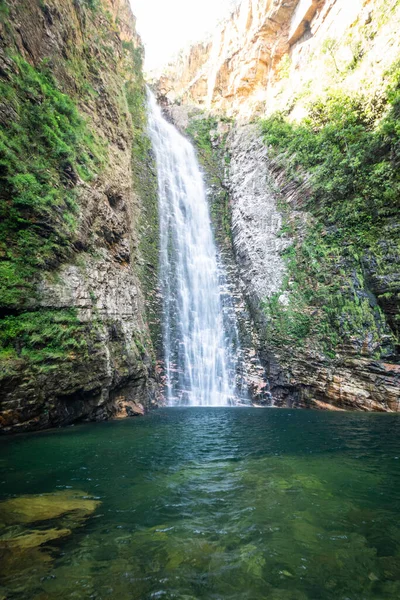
{"points": [[342, 263], [73, 108], [45, 149], [145, 182], [213, 156]]}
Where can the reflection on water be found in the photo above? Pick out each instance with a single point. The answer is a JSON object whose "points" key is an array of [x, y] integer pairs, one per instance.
{"points": [[205, 503]]}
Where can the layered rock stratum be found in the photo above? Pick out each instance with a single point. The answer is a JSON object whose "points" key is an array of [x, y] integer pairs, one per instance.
{"points": [[78, 251], [269, 52], [290, 56]]}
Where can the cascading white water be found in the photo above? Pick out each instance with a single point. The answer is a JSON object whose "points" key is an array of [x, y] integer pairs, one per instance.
{"points": [[200, 360]]}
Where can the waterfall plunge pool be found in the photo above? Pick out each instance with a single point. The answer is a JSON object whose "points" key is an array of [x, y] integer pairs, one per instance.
{"points": [[204, 503]]}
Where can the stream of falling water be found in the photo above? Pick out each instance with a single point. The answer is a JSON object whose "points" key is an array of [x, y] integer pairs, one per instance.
{"points": [[199, 351]]}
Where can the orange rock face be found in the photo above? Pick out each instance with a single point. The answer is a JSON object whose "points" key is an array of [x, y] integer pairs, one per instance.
{"points": [[268, 53]]}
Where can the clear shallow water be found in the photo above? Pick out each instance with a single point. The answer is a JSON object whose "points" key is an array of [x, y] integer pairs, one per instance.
{"points": [[223, 503]]}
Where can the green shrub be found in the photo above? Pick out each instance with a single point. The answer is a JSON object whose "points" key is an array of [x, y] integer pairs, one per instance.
{"points": [[212, 159], [350, 148]]}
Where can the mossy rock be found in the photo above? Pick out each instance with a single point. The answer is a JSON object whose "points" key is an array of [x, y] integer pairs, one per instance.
{"points": [[44, 507], [306, 533], [24, 550], [252, 560], [309, 482], [32, 539]]}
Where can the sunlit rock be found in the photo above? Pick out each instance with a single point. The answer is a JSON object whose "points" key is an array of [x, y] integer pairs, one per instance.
{"points": [[128, 408], [272, 55], [44, 507]]}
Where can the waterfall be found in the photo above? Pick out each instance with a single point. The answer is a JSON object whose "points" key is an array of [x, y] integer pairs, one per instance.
{"points": [[200, 354]]}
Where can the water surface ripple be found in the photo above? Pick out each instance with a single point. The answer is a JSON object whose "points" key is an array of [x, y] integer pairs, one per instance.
{"points": [[213, 503]]}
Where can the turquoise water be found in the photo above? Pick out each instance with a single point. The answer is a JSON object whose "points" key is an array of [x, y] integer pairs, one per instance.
{"points": [[223, 503]]}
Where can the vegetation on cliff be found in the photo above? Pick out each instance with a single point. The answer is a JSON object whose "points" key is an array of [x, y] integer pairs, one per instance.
{"points": [[73, 109], [212, 155], [342, 287], [45, 147], [145, 182]]}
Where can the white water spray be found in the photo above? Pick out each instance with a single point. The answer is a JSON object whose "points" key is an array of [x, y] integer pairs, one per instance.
{"points": [[200, 360]]}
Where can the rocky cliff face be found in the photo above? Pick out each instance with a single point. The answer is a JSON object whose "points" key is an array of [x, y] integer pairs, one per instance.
{"points": [[301, 374], [271, 55], [232, 69], [312, 204], [78, 245]]}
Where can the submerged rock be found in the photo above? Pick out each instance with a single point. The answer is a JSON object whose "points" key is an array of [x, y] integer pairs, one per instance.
{"points": [[24, 549], [44, 507], [33, 539]]}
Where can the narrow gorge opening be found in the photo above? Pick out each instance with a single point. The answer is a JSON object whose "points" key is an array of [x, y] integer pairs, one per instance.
{"points": [[200, 340]]}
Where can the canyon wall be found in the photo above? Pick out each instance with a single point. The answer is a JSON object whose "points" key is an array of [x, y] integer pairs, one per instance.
{"points": [[313, 205], [273, 55], [359, 369], [78, 243], [232, 69]]}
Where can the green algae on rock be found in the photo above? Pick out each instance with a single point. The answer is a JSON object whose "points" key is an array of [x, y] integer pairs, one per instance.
{"points": [[31, 526], [32, 538], [45, 507]]}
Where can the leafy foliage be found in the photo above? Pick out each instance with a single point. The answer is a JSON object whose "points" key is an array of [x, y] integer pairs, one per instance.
{"points": [[350, 148], [199, 129], [45, 147]]}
